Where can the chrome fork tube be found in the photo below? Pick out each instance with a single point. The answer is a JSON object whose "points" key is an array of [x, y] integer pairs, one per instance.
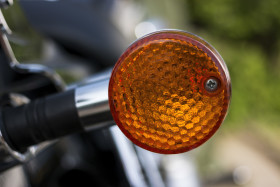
{"points": [[92, 104]]}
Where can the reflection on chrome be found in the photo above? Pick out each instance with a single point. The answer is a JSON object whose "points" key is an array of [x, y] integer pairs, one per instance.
{"points": [[92, 103]]}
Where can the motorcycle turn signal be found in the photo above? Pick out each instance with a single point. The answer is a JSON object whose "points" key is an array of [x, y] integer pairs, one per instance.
{"points": [[168, 93]]}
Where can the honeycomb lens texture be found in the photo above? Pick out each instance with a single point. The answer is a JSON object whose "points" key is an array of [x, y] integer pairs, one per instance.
{"points": [[157, 94]]}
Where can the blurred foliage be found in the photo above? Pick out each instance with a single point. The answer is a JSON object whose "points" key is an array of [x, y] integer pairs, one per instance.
{"points": [[247, 35]]}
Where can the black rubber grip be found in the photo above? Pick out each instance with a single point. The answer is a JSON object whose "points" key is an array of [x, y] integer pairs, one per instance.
{"points": [[43, 119]]}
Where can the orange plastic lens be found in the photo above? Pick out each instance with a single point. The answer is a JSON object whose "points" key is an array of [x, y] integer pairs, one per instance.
{"points": [[158, 94]]}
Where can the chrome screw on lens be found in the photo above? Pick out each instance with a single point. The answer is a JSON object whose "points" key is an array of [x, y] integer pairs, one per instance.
{"points": [[211, 84]]}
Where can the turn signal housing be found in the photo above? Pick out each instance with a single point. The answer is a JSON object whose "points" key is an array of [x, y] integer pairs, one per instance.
{"points": [[169, 92]]}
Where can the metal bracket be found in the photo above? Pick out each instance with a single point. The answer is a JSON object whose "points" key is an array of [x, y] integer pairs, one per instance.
{"points": [[29, 81]]}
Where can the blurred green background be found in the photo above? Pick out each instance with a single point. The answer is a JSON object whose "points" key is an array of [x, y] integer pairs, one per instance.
{"points": [[247, 35]]}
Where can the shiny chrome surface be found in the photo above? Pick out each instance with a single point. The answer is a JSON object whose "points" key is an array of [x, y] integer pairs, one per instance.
{"points": [[92, 102], [4, 41], [151, 166], [129, 159], [5, 3], [211, 84], [40, 69], [3, 24], [180, 170]]}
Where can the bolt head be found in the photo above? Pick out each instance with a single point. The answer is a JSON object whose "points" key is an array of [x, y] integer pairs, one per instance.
{"points": [[211, 84]]}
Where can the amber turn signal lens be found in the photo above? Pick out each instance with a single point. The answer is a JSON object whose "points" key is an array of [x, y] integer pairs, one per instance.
{"points": [[169, 92]]}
